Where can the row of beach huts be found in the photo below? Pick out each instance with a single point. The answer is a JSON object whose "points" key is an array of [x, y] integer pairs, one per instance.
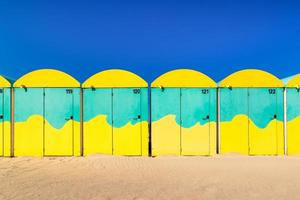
{"points": [[49, 113]]}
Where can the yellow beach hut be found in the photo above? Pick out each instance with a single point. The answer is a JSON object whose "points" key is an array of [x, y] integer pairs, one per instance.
{"points": [[47, 114], [183, 114], [293, 115], [251, 113], [5, 117], [115, 114]]}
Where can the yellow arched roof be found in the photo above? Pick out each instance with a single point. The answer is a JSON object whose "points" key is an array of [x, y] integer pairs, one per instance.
{"points": [[183, 78], [251, 78], [294, 81], [46, 78], [114, 78], [4, 82]]}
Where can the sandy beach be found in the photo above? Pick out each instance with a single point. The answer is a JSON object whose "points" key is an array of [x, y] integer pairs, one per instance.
{"points": [[114, 177]]}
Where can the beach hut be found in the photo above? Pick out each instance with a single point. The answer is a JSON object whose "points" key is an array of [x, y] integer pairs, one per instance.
{"points": [[5, 117], [46, 114], [293, 115], [115, 114], [183, 114], [251, 113]]}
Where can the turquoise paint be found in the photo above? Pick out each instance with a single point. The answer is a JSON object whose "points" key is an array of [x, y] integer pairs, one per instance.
{"points": [[189, 105], [58, 106], [262, 103], [126, 106], [99, 101], [292, 103], [27, 103], [165, 102], [196, 105], [6, 104], [31, 102], [96, 102]]}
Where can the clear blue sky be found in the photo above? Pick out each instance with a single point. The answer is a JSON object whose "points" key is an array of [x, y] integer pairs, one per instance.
{"points": [[149, 37]]}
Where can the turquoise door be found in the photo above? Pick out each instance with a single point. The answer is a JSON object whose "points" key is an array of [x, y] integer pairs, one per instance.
{"points": [[97, 114], [127, 136], [195, 118], [28, 115], [59, 116], [1, 122], [165, 121], [263, 117]]}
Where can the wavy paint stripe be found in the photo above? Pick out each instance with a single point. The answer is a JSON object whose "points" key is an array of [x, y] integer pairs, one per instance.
{"points": [[29, 138], [100, 136], [234, 137]]}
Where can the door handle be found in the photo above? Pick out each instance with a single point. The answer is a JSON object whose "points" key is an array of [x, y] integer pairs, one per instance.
{"points": [[206, 118], [1, 116], [67, 119], [274, 117], [138, 117]]}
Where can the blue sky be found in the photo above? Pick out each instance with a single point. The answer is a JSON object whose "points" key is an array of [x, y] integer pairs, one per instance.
{"points": [[149, 37]]}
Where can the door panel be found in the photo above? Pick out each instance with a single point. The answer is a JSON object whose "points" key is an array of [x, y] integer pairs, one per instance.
{"points": [[59, 118], [195, 118], [234, 120], [127, 121], [165, 121], [97, 121], [293, 120], [263, 121], [1, 122], [28, 115]]}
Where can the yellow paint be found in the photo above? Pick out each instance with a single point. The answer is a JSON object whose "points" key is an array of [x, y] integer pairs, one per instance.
{"points": [[4, 83], [115, 78], [293, 136], [99, 138], [166, 136], [294, 82], [46, 78], [183, 78], [199, 139], [59, 142], [266, 141], [127, 140], [28, 138], [242, 136], [5, 139], [251, 78], [234, 135]]}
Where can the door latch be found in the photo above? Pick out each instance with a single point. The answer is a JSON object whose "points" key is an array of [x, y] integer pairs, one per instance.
{"points": [[206, 118], [138, 117], [71, 118], [1, 116]]}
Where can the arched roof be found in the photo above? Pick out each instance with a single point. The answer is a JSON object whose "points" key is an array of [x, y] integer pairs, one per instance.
{"points": [[4, 83], [251, 78], [46, 78], [294, 81], [114, 78], [183, 78]]}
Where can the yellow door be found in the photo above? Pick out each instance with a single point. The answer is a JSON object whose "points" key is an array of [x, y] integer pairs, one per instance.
{"points": [[127, 137], [195, 118], [1, 122], [58, 125], [165, 121], [263, 116]]}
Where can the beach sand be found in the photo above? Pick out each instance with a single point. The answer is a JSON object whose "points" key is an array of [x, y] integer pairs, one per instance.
{"points": [[116, 177]]}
